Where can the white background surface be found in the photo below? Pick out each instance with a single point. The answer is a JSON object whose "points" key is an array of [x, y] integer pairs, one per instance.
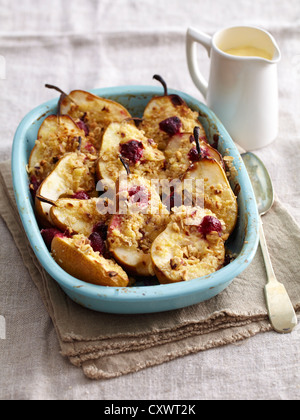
{"points": [[76, 44]]}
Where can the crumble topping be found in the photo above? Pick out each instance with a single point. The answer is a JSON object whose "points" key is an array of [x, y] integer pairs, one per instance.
{"points": [[179, 244]]}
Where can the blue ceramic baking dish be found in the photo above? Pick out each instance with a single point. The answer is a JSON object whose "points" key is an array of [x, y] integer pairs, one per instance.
{"points": [[142, 299]]}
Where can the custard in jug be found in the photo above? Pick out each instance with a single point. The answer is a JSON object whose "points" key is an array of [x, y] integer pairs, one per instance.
{"points": [[249, 51]]}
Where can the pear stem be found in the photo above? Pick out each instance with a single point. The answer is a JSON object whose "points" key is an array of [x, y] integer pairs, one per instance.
{"points": [[135, 119], [55, 88], [79, 143], [125, 164], [161, 80], [62, 97], [46, 200], [197, 136]]}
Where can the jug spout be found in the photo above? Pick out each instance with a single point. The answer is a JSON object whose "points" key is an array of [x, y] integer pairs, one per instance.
{"points": [[248, 42], [269, 43], [276, 52]]}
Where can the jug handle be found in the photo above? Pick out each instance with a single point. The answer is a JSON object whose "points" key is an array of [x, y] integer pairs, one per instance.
{"points": [[194, 37]]}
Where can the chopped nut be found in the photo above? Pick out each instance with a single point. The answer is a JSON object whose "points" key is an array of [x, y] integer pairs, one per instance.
{"points": [[175, 263], [176, 227], [185, 276], [112, 274]]}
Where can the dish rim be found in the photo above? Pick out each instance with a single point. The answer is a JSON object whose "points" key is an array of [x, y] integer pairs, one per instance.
{"points": [[129, 294]]}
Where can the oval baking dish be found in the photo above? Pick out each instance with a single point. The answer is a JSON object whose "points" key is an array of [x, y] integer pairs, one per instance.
{"points": [[139, 299]]}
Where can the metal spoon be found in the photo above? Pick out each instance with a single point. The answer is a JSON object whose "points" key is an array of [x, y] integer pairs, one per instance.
{"points": [[281, 311]]}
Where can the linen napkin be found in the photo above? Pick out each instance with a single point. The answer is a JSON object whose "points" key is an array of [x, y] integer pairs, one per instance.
{"points": [[107, 346]]}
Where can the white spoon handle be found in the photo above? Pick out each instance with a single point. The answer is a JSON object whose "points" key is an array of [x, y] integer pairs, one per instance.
{"points": [[266, 255], [281, 311]]}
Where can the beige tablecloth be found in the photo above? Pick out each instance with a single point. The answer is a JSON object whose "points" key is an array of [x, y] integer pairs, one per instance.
{"points": [[93, 44]]}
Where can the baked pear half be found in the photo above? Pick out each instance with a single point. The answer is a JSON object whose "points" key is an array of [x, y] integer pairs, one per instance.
{"points": [[168, 115], [191, 246], [218, 194], [135, 194], [182, 151], [125, 140], [78, 216], [142, 218], [74, 172], [57, 136], [76, 256], [93, 113], [130, 238]]}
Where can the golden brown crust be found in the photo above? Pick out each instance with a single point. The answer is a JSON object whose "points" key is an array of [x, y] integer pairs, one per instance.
{"points": [[218, 194], [131, 235], [57, 136], [130, 238], [97, 113], [181, 252], [85, 144], [181, 152], [162, 108], [77, 216], [73, 172], [76, 257], [150, 166]]}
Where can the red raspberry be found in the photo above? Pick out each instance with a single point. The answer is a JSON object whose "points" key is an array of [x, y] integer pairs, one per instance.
{"points": [[101, 228], [97, 243], [34, 185], [194, 156], [171, 126], [139, 194], [133, 151], [210, 224], [49, 234], [82, 125], [81, 195]]}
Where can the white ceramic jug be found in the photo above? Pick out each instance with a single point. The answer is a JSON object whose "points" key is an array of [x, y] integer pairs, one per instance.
{"points": [[243, 87]]}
